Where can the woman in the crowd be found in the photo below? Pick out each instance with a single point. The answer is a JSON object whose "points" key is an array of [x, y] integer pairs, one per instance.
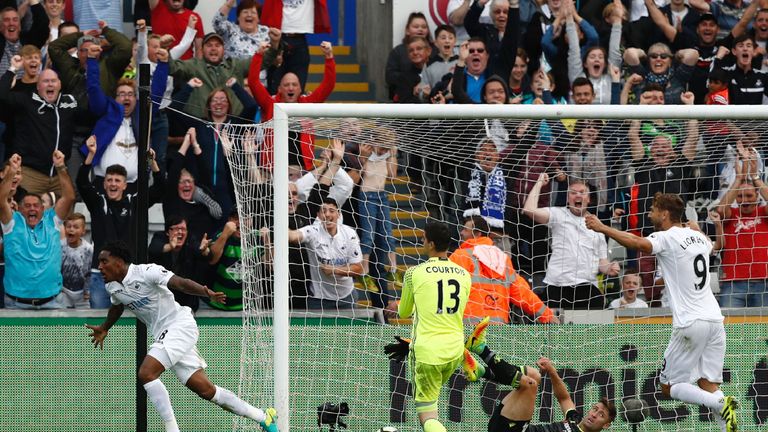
{"points": [[243, 39], [399, 62], [594, 65]]}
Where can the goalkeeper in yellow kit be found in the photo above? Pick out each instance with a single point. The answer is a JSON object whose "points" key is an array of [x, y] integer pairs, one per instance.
{"points": [[435, 292]]}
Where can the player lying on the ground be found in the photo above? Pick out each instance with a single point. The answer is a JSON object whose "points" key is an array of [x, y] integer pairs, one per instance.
{"points": [[515, 411], [144, 289]]}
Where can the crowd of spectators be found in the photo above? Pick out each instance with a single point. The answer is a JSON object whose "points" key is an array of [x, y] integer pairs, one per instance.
{"points": [[534, 181], [68, 86], [520, 190]]}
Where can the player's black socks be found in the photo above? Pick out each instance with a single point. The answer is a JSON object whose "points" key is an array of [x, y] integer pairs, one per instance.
{"points": [[502, 372], [499, 370], [487, 355]]}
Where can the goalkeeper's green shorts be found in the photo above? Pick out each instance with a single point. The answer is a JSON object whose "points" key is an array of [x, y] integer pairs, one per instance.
{"points": [[427, 381]]}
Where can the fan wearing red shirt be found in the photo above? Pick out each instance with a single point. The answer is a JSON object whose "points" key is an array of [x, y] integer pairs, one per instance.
{"points": [[171, 17], [301, 151], [745, 252]]}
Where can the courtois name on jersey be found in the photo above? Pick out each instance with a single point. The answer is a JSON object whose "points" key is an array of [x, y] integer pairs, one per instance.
{"points": [[444, 269]]}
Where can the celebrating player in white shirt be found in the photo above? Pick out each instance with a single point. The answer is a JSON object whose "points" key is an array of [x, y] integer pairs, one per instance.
{"points": [[144, 289], [696, 350]]}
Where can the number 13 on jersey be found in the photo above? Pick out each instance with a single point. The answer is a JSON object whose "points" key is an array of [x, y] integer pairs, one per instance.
{"points": [[448, 299]]}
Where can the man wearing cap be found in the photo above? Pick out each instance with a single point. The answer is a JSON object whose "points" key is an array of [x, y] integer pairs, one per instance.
{"points": [[706, 43], [214, 71], [171, 17], [697, 31], [726, 12], [112, 63]]}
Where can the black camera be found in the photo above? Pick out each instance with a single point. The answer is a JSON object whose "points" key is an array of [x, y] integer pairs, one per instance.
{"points": [[331, 414]]}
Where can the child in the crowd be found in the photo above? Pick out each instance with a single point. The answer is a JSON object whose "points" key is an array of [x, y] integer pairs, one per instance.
{"points": [[721, 132], [630, 285], [30, 57], [76, 255], [49, 200], [718, 88], [440, 68]]}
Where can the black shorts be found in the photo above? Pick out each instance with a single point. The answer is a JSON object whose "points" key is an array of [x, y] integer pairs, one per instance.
{"points": [[499, 423]]}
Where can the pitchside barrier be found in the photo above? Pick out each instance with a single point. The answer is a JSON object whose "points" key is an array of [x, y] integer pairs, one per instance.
{"points": [[54, 380]]}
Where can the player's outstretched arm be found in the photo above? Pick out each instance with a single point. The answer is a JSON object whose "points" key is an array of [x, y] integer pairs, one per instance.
{"points": [[99, 332], [624, 238], [558, 386], [191, 287]]}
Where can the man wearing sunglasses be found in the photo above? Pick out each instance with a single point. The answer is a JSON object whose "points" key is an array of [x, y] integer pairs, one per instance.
{"points": [[476, 70], [698, 31], [660, 69]]}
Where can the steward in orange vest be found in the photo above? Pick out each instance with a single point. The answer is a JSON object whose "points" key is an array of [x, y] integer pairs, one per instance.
{"points": [[495, 283]]}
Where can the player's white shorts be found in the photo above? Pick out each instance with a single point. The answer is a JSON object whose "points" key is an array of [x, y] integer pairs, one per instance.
{"points": [[696, 351], [175, 348]]}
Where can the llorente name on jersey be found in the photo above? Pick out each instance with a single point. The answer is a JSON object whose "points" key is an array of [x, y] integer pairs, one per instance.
{"points": [[692, 240]]}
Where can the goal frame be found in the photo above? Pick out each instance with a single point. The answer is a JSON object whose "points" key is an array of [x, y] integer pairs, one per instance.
{"points": [[284, 112]]}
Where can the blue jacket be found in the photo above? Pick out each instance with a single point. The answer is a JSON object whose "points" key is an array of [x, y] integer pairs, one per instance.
{"points": [[110, 112]]}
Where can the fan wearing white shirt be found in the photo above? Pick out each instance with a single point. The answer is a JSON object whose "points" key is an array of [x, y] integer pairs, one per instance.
{"points": [[144, 289], [334, 258], [578, 254], [696, 350]]}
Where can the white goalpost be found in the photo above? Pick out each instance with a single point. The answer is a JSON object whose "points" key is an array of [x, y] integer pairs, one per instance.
{"points": [[299, 359]]}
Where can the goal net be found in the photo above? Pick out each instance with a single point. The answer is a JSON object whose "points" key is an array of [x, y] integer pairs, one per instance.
{"points": [[322, 278]]}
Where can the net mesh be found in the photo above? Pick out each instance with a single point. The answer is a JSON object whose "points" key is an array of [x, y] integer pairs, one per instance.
{"points": [[390, 176]]}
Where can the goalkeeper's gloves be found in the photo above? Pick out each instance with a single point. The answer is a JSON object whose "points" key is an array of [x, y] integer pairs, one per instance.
{"points": [[398, 351]]}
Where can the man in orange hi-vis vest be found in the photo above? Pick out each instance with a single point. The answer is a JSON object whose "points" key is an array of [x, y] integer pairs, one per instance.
{"points": [[495, 283]]}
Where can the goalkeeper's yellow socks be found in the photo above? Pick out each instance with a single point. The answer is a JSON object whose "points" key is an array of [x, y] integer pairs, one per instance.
{"points": [[433, 425]]}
